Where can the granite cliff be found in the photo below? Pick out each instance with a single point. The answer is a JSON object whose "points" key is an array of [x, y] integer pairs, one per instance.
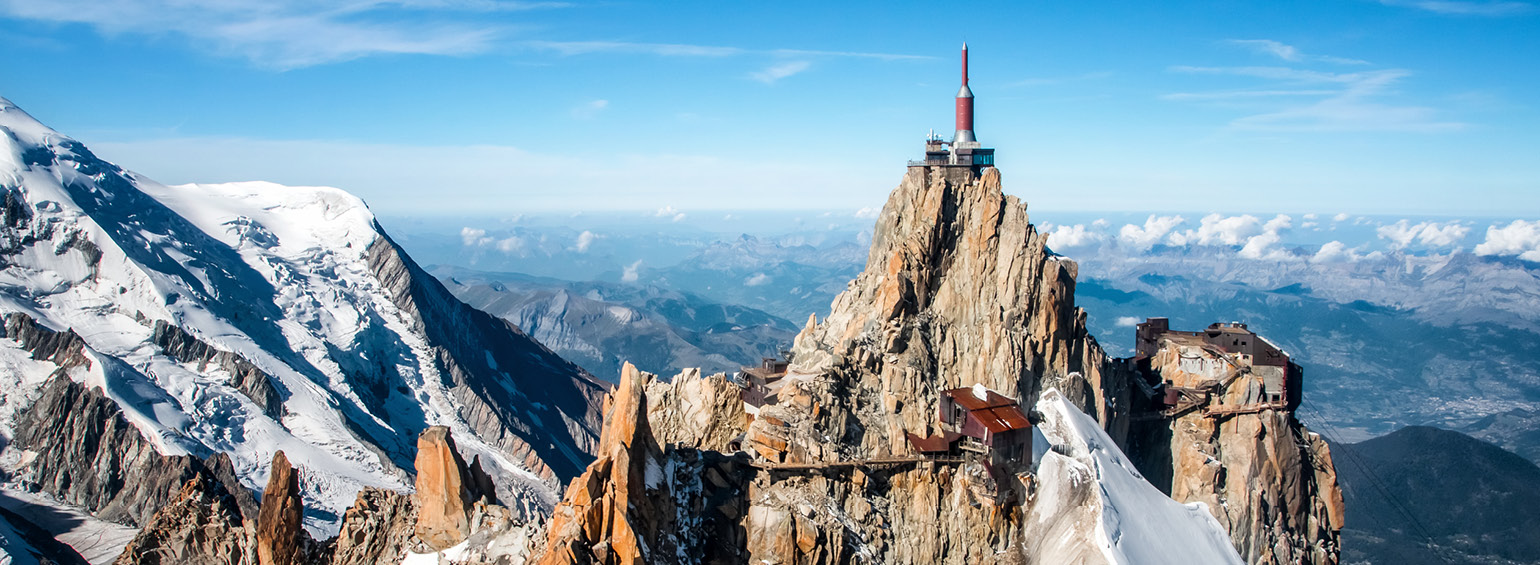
{"points": [[959, 290]]}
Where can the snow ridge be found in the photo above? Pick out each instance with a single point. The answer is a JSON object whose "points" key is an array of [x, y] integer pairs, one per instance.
{"points": [[280, 276], [1130, 520]]}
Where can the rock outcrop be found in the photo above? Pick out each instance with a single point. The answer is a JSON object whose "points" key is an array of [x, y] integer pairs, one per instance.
{"points": [[86, 453], [469, 346], [64, 349], [606, 515], [638, 503], [447, 490], [201, 526], [278, 534], [378, 528], [244, 376], [453, 509], [959, 290], [1266, 477], [696, 412]]}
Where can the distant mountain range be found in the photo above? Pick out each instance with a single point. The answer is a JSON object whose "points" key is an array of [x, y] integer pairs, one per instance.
{"points": [[1477, 502], [601, 326], [1388, 339]]}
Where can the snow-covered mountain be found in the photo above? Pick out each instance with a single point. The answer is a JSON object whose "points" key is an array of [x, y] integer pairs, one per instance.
{"points": [[245, 318]]}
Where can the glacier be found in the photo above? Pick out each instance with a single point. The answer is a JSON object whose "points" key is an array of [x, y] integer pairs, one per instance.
{"points": [[362, 347]]}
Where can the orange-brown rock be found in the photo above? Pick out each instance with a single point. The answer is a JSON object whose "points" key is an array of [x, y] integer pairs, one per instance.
{"points": [[200, 526], [278, 520], [446, 490], [378, 528], [1267, 479], [606, 516]]}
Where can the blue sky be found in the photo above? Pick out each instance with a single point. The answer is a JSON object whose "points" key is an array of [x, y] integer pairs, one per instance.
{"points": [[459, 106]]}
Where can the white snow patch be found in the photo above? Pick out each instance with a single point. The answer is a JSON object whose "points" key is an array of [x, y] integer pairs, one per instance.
{"points": [[1134, 522], [980, 391]]}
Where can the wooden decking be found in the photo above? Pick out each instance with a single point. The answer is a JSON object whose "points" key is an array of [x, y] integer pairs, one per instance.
{"points": [[820, 466], [1222, 411]]}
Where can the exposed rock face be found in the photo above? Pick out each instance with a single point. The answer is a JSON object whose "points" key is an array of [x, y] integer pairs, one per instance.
{"points": [[469, 344], [378, 528], [594, 521], [87, 454], [640, 503], [959, 289], [278, 535], [244, 376], [223, 471], [695, 412], [65, 348], [201, 526], [1263, 475], [447, 490]]}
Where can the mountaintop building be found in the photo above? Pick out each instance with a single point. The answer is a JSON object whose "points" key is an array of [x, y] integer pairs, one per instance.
{"points": [[964, 150]]}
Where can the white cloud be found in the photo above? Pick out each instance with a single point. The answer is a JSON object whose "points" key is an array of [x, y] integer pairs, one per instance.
{"points": [[511, 244], [590, 110], [1100, 223], [757, 280], [868, 212], [1345, 101], [685, 50], [474, 237], [663, 49], [1065, 237], [584, 240], [1493, 8], [1278, 223], [1155, 228], [1127, 322], [288, 34], [779, 71], [1334, 252], [1268, 46], [1519, 238], [1215, 229], [670, 212], [1343, 217], [1261, 245], [1256, 238], [1432, 234], [630, 274], [1289, 52]]}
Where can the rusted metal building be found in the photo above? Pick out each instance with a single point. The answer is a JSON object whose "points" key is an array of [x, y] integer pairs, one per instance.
{"points": [[1234, 343], [761, 384], [980, 422]]}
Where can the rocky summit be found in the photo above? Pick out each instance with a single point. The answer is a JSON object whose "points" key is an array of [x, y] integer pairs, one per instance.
{"points": [[845, 455], [952, 407]]}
